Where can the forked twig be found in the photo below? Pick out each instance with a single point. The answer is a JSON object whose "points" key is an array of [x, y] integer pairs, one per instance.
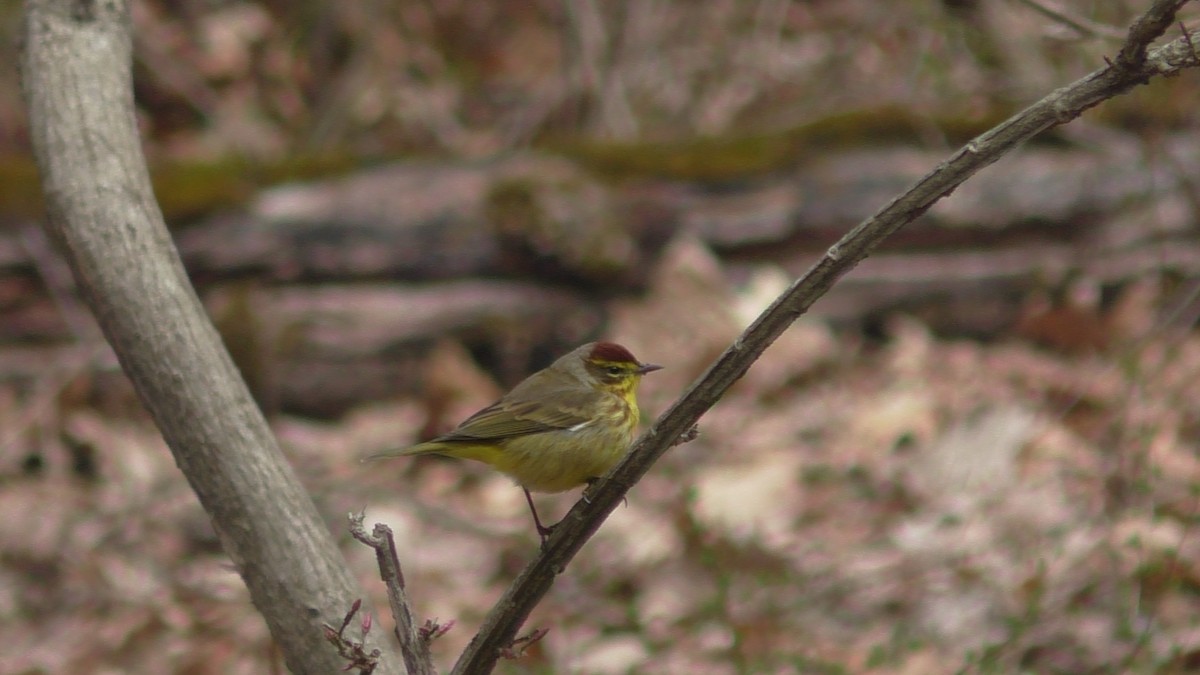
{"points": [[414, 641], [354, 651]]}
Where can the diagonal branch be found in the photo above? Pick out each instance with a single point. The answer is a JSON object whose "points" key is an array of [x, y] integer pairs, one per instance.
{"points": [[1058, 108]]}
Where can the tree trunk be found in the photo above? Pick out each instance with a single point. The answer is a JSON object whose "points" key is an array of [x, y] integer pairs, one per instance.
{"points": [[75, 70]]}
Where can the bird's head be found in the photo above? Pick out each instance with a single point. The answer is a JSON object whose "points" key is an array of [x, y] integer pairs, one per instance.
{"points": [[613, 367]]}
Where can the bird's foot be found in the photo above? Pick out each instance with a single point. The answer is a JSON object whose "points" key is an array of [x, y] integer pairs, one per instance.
{"points": [[587, 491], [544, 532]]}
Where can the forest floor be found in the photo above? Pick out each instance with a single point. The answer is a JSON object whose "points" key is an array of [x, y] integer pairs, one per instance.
{"points": [[905, 504]]}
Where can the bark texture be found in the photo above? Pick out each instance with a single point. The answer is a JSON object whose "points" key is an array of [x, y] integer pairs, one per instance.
{"points": [[75, 69]]}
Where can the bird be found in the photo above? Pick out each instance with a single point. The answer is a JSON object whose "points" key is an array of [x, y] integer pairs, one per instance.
{"points": [[563, 426]]}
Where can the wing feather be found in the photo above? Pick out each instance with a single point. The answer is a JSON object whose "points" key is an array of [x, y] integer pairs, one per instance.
{"points": [[512, 416]]}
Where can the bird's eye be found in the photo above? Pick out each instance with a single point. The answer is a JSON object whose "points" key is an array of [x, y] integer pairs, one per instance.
{"points": [[614, 370]]}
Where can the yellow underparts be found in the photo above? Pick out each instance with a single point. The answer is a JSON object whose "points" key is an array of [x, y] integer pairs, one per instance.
{"points": [[551, 461]]}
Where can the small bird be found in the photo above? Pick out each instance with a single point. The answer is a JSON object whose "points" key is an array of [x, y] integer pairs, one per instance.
{"points": [[560, 428]]}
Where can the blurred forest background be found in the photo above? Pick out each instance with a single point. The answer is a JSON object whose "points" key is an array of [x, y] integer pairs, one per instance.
{"points": [[977, 454]]}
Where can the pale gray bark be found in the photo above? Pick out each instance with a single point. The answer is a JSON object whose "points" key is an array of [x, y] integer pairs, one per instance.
{"points": [[75, 69]]}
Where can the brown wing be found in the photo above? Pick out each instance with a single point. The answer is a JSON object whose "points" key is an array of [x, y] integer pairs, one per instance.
{"points": [[511, 416]]}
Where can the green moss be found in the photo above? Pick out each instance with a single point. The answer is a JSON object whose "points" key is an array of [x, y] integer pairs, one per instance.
{"points": [[705, 159], [184, 190], [21, 198], [189, 190], [733, 158]]}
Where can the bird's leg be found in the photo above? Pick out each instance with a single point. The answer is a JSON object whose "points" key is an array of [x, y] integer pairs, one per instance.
{"points": [[542, 530]]}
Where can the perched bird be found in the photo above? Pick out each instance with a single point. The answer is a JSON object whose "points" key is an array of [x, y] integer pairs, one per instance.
{"points": [[559, 428]]}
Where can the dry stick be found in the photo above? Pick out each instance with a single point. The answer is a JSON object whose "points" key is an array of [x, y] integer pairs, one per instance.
{"points": [[1061, 106], [414, 645]]}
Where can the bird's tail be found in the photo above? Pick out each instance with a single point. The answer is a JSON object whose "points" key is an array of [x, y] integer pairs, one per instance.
{"points": [[419, 449]]}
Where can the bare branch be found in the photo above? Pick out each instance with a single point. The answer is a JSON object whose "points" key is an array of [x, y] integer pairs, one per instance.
{"points": [[1146, 29], [354, 651], [585, 517], [414, 641]]}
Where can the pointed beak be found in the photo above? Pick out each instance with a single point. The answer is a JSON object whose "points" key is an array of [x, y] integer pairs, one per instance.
{"points": [[647, 368]]}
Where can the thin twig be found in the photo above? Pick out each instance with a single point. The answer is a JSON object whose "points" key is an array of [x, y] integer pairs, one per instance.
{"points": [[414, 641], [354, 651], [1060, 107], [1146, 29], [1085, 27]]}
